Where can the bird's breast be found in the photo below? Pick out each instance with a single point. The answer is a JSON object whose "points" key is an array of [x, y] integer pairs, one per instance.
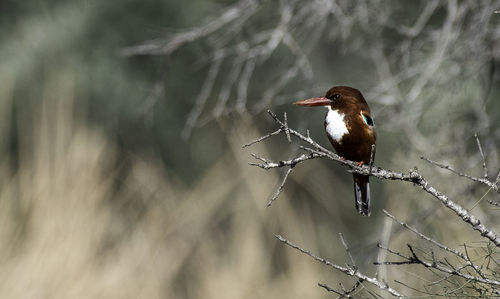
{"points": [[335, 125]]}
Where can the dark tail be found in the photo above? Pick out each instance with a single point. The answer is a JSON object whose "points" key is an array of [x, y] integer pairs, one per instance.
{"points": [[362, 194]]}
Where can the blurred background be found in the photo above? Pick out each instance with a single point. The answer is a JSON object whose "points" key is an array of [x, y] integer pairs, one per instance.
{"points": [[122, 172]]}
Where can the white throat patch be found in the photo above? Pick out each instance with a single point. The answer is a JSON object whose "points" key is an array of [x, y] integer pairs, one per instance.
{"points": [[335, 125]]}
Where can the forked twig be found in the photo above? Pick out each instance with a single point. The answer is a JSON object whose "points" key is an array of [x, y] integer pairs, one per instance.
{"points": [[346, 270], [444, 247]]}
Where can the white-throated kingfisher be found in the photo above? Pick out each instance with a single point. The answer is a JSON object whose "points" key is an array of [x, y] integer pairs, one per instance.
{"points": [[351, 131]]}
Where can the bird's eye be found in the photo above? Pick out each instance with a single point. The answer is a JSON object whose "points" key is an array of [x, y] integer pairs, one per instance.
{"points": [[368, 120], [336, 96]]}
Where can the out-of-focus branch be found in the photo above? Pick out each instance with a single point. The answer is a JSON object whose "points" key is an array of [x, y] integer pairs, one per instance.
{"points": [[193, 116], [346, 270], [429, 52], [496, 204], [167, 46], [412, 177]]}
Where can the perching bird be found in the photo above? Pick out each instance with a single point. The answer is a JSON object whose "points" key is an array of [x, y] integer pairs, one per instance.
{"points": [[351, 131]]}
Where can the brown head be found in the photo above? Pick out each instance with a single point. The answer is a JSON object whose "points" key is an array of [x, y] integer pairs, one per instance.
{"points": [[345, 99], [342, 98]]}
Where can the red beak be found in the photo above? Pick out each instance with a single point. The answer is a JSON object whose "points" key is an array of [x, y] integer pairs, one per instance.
{"points": [[320, 101]]}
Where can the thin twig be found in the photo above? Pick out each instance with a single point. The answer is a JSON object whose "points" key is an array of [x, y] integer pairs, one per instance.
{"points": [[444, 247], [262, 138], [268, 164], [382, 254], [280, 188], [482, 156], [449, 269], [240, 10], [287, 132], [329, 289], [484, 195], [347, 250], [475, 179], [346, 270], [206, 89]]}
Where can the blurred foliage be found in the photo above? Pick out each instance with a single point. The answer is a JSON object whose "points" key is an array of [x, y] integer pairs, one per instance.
{"points": [[102, 197]]}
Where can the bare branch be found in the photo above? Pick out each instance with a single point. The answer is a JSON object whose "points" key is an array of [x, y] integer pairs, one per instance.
{"points": [[280, 188], [287, 132], [382, 254], [442, 43], [482, 156], [488, 183], [268, 164], [168, 46], [206, 89], [346, 270], [392, 252], [246, 74], [444, 247], [414, 259], [347, 249], [421, 21], [496, 204], [412, 177], [262, 138], [342, 294]]}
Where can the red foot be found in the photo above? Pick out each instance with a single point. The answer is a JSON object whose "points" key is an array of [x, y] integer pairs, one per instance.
{"points": [[360, 163], [342, 158]]}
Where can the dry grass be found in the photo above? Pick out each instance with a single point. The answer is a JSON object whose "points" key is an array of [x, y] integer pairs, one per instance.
{"points": [[66, 231]]}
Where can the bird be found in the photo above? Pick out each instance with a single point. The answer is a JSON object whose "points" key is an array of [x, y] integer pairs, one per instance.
{"points": [[351, 131]]}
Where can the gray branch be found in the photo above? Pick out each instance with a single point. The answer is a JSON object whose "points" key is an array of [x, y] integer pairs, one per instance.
{"points": [[346, 270], [464, 257], [411, 176]]}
